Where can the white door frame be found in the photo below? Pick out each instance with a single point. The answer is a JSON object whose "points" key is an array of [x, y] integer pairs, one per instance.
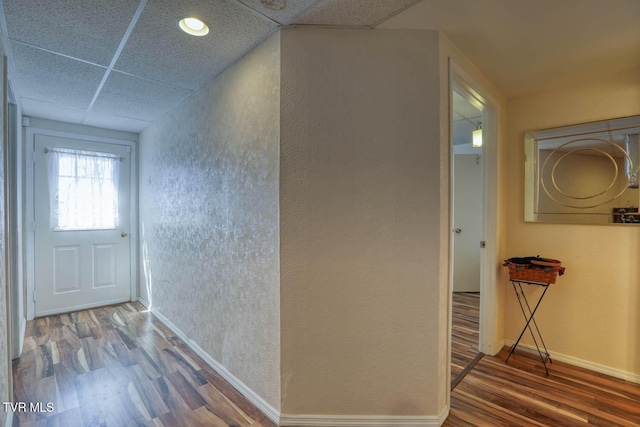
{"points": [[476, 94], [15, 225], [29, 231]]}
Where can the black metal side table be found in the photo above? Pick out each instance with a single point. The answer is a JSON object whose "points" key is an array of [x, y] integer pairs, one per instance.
{"points": [[529, 317]]}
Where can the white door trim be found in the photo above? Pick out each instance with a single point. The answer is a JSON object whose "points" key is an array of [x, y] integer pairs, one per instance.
{"points": [[459, 78], [31, 132]]}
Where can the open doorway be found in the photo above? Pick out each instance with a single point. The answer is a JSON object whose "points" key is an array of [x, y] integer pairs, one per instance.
{"points": [[467, 227]]}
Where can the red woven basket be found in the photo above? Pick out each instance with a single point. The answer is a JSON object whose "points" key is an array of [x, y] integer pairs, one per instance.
{"points": [[543, 270]]}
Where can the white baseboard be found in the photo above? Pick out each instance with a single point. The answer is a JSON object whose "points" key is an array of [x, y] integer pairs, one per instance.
{"points": [[363, 420], [144, 302], [254, 398], [82, 307], [602, 369], [302, 420], [8, 422], [492, 350]]}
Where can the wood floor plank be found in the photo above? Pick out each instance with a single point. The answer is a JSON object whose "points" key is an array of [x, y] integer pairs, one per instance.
{"points": [[521, 393], [119, 366], [499, 393], [219, 405], [464, 333]]}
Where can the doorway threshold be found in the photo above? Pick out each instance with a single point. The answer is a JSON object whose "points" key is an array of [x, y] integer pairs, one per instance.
{"points": [[466, 370]]}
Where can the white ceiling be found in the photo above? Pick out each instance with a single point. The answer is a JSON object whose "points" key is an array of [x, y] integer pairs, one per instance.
{"points": [[465, 119], [121, 64], [523, 46]]}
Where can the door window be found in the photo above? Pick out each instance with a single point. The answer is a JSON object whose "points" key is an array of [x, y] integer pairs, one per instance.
{"points": [[83, 189]]}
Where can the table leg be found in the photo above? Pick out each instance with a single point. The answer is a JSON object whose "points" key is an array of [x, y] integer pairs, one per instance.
{"points": [[530, 319]]}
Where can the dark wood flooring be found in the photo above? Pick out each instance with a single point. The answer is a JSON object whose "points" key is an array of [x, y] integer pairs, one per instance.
{"points": [[464, 333], [519, 393], [118, 366]]}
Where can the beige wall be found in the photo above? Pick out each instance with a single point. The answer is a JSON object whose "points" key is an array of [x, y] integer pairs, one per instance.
{"points": [[209, 219], [593, 312], [360, 222]]}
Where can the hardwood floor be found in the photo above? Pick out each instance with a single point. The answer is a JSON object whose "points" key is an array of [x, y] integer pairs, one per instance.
{"points": [[118, 366], [464, 333], [519, 393]]}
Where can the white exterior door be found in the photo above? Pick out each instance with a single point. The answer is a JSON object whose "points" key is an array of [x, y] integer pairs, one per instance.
{"points": [[82, 244]]}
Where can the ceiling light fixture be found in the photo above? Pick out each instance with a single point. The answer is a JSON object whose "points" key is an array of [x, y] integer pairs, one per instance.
{"points": [[193, 26], [477, 135]]}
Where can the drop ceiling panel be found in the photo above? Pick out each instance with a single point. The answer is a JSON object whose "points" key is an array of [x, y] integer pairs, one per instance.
{"points": [[353, 12], [45, 110], [114, 122], [86, 29], [281, 11], [44, 76], [464, 108], [159, 50], [140, 99]]}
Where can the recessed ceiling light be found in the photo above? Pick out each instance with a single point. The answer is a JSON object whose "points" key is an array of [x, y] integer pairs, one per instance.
{"points": [[193, 26]]}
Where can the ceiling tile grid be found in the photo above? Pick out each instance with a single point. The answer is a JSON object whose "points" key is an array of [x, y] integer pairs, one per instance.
{"points": [[158, 50], [55, 79], [85, 29], [106, 121], [582, 38], [35, 108], [137, 98]]}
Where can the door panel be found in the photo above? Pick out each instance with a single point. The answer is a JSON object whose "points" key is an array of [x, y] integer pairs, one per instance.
{"points": [[104, 260], [82, 267], [66, 269]]}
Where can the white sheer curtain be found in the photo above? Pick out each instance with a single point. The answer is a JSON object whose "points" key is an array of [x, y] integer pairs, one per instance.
{"points": [[83, 189]]}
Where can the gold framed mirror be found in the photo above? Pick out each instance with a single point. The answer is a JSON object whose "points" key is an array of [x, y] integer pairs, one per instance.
{"points": [[585, 173]]}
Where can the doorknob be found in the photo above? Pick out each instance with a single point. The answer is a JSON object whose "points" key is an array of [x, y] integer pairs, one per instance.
{"points": [[124, 234]]}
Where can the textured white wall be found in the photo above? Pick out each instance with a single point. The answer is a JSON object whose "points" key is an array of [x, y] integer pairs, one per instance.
{"points": [[593, 312], [209, 219], [5, 368], [360, 222]]}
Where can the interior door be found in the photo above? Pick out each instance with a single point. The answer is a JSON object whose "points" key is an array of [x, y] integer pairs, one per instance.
{"points": [[467, 216], [82, 244]]}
